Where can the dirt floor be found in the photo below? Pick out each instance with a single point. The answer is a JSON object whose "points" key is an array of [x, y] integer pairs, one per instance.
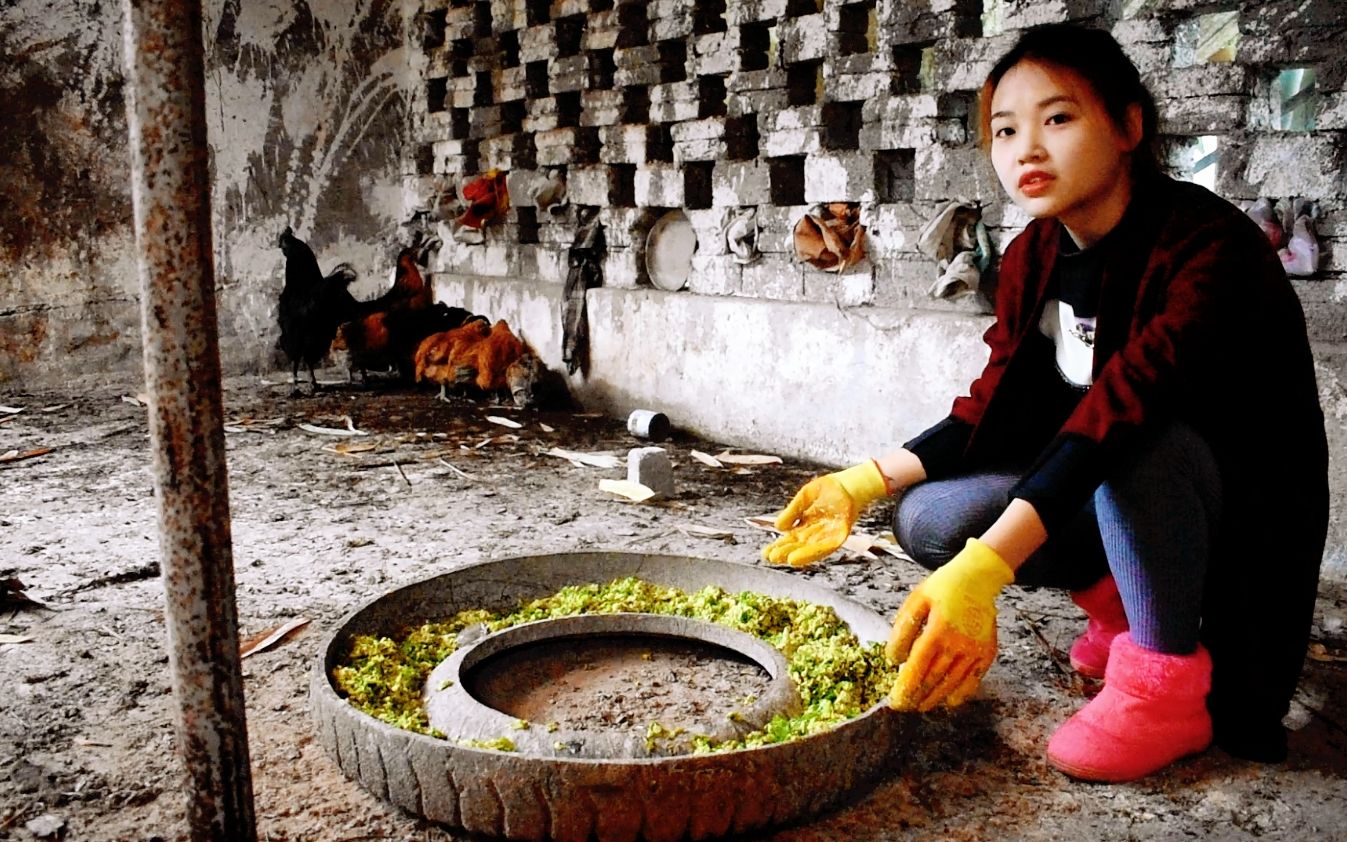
{"points": [[87, 711]]}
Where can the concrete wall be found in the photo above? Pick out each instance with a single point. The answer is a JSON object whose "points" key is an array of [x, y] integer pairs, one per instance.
{"points": [[308, 108]]}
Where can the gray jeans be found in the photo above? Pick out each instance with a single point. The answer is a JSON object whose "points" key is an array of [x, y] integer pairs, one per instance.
{"points": [[1151, 524]]}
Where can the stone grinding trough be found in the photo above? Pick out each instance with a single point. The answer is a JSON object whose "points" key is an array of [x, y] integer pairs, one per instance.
{"points": [[581, 783]]}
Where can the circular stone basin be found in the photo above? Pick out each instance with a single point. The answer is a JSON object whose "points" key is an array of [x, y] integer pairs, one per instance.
{"points": [[543, 795], [458, 714]]}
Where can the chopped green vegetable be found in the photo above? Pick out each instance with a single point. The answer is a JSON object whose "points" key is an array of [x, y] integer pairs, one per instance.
{"points": [[837, 677], [498, 744]]}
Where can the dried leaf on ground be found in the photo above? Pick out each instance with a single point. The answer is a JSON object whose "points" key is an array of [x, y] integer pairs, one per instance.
{"points": [[546, 428], [698, 531], [270, 637], [633, 491], [593, 460], [508, 438], [727, 458], [136, 400], [15, 638], [461, 473], [332, 431], [350, 447], [763, 522], [10, 410], [504, 422], [707, 459], [886, 542], [16, 455]]}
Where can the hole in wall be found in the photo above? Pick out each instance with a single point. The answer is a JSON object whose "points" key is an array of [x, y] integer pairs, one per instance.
{"points": [[800, 8], [602, 69], [708, 16], [622, 185], [481, 18], [895, 175], [633, 24], [757, 46], [786, 179], [524, 151], [588, 145], [508, 44], [425, 159], [741, 137], [635, 104], [460, 123], [1206, 39], [512, 116], [568, 109], [908, 63], [536, 84], [1200, 160], [697, 184], [570, 31], [459, 53], [1294, 99], [968, 15], [437, 91], [673, 61], [658, 144], [858, 28], [472, 157], [600, 5], [537, 12], [711, 97], [434, 29], [842, 125], [804, 82], [482, 93], [527, 218]]}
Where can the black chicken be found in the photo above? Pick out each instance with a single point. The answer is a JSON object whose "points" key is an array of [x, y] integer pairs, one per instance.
{"points": [[311, 306]]}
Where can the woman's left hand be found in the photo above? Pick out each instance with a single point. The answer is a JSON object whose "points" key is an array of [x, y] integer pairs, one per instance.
{"points": [[945, 634]]}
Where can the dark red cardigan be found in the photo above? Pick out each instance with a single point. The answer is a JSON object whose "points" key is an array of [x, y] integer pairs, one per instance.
{"points": [[1196, 322]]}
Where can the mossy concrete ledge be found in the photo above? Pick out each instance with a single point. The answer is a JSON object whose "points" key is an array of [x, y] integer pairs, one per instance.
{"points": [[526, 796]]}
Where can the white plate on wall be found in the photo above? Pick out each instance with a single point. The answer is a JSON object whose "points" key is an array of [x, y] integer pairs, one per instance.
{"points": [[669, 247]]}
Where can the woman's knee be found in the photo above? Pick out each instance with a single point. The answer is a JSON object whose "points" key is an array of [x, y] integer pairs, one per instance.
{"points": [[933, 520], [925, 536]]}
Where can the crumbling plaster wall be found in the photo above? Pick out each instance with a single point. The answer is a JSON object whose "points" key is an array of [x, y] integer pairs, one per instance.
{"points": [[780, 104], [307, 105]]}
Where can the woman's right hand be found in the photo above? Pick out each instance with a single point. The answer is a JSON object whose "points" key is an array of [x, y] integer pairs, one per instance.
{"points": [[820, 516]]}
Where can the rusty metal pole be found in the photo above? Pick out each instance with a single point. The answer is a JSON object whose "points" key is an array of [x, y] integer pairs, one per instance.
{"points": [[169, 181]]}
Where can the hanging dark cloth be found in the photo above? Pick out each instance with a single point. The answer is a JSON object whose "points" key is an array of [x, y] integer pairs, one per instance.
{"points": [[585, 261]]}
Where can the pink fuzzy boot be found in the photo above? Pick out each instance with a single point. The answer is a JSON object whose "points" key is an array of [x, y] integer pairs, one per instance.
{"points": [[1104, 607], [1151, 712]]}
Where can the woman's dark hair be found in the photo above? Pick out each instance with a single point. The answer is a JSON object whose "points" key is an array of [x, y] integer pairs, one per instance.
{"points": [[1097, 58]]}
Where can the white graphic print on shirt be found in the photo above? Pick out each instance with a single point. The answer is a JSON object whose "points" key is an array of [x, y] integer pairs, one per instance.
{"points": [[1073, 338]]}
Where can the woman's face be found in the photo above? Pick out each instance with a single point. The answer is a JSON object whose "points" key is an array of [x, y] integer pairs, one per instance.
{"points": [[1056, 151]]}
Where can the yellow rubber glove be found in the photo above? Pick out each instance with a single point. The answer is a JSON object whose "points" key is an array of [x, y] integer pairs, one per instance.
{"points": [[945, 633], [820, 516]]}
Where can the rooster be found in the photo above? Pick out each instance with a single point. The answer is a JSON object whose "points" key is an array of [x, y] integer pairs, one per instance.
{"points": [[390, 338], [311, 306], [436, 353], [409, 290]]}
